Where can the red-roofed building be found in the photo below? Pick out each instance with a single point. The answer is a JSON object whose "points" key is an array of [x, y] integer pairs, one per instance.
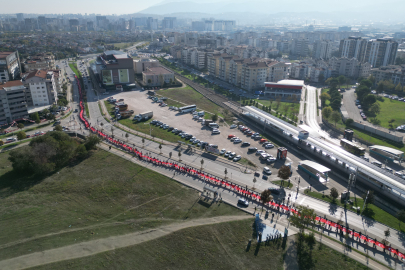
{"points": [[284, 89]]}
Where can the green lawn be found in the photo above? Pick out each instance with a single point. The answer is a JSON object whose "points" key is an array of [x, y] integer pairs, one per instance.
{"points": [[122, 45], [189, 96], [391, 109], [101, 196], [283, 184], [219, 246], [279, 107], [371, 211]]}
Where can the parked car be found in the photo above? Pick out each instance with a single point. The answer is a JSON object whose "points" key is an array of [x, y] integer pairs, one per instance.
{"points": [[231, 136], [252, 149], [227, 154], [266, 170], [237, 158], [223, 151], [233, 126], [269, 146], [245, 144], [237, 140], [243, 202]]}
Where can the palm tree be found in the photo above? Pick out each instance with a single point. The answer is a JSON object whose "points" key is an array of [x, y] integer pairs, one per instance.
{"points": [[112, 131], [143, 142], [160, 147], [226, 172], [126, 136], [179, 156], [202, 163], [254, 182]]}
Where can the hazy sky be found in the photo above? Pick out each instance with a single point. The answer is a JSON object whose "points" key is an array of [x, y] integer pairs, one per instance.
{"points": [[132, 6], [76, 6]]}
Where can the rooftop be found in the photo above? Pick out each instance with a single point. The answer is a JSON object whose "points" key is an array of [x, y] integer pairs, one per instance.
{"points": [[156, 71], [10, 84], [316, 166], [290, 82], [387, 149], [5, 54]]}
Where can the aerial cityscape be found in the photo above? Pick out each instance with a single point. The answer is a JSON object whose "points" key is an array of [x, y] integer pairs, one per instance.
{"points": [[202, 135]]}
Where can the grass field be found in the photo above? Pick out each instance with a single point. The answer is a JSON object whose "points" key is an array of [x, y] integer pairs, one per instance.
{"points": [[219, 246], [318, 256], [189, 96], [371, 211], [101, 196], [280, 107], [391, 109], [283, 184], [122, 45]]}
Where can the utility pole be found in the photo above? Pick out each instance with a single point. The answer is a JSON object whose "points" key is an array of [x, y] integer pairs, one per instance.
{"points": [[352, 179], [364, 202]]}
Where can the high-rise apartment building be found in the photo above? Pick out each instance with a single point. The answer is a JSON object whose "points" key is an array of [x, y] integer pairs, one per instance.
{"points": [[13, 101], [41, 84], [322, 49], [300, 47], [152, 24], [169, 23], [377, 52], [20, 17]]}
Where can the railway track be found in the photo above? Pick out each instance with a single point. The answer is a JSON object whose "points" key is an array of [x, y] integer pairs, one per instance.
{"points": [[210, 94]]}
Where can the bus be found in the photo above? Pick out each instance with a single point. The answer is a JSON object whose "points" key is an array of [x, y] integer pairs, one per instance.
{"points": [[187, 109], [352, 147]]}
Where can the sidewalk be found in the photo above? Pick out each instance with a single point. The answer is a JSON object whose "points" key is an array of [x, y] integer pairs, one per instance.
{"points": [[280, 221]]}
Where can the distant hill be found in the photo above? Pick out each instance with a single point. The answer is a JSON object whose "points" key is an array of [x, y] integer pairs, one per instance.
{"points": [[237, 10]]}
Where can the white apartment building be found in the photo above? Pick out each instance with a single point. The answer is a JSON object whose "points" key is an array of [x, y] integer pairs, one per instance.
{"points": [[41, 84]]}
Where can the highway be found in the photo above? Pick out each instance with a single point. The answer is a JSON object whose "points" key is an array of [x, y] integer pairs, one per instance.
{"points": [[236, 175]]}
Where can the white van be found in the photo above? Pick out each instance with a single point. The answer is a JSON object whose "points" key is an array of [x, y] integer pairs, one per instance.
{"points": [[213, 125]]}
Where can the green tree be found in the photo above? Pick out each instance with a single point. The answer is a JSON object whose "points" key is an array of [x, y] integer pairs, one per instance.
{"points": [[334, 193], [202, 163], [335, 117], [362, 91], [324, 97], [225, 172], [58, 128], [387, 233], [398, 88], [326, 112], [214, 117], [91, 142], [127, 136], [284, 172], [369, 100], [21, 135], [81, 151], [20, 125], [341, 79], [335, 104], [380, 87], [304, 218], [266, 197], [160, 148], [349, 121], [179, 154], [35, 117], [375, 108]]}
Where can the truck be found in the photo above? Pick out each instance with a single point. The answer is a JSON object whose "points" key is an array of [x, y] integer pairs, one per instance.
{"points": [[122, 107], [143, 116], [208, 122], [124, 114]]}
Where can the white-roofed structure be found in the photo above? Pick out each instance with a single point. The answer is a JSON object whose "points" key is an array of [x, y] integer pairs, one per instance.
{"points": [[389, 185], [314, 169], [387, 152]]}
